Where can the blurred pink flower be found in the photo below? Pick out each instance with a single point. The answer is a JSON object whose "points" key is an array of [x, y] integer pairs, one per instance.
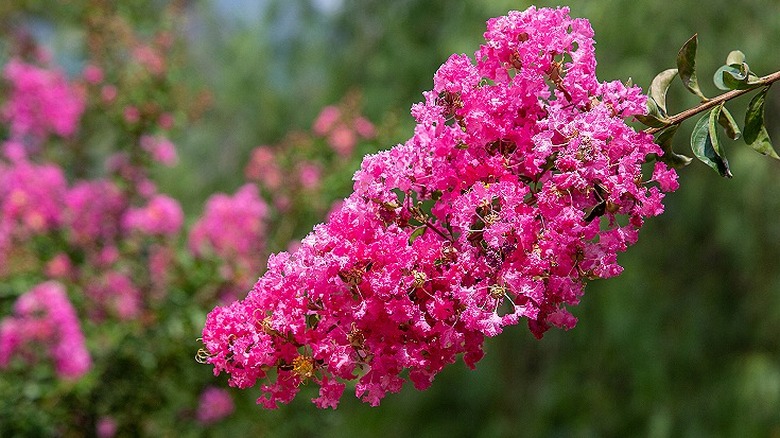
{"points": [[106, 427], [108, 93], [309, 175], [116, 294], [214, 405], [59, 267], [149, 58], [92, 212], [165, 121], [31, 197], [342, 140], [263, 168], [364, 127], [45, 315], [131, 114], [161, 216], [40, 102], [233, 228], [93, 74], [326, 119], [161, 149]]}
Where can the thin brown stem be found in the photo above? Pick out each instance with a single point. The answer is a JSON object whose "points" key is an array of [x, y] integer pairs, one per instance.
{"points": [[725, 97], [436, 230]]}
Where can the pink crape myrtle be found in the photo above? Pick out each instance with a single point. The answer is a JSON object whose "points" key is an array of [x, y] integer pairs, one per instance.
{"points": [[45, 316], [522, 181]]}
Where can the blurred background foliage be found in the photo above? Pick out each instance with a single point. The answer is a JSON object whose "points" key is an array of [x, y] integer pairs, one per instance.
{"points": [[685, 343]]}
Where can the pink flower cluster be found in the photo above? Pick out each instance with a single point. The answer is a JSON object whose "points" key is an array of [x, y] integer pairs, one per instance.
{"points": [[40, 102], [233, 229], [214, 405], [161, 216], [44, 315], [31, 198], [341, 131], [522, 181]]}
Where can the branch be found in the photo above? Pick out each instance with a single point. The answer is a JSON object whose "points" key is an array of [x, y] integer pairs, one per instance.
{"points": [[725, 97]]}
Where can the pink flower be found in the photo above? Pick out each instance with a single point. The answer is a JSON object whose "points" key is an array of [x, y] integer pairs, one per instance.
{"points": [[149, 58], [115, 294], [108, 93], [59, 267], [365, 128], [93, 210], [511, 195], [325, 120], [214, 405], [161, 216], [106, 427], [161, 149], [309, 175], [131, 114], [44, 315], [165, 121], [93, 74], [342, 140], [31, 197], [40, 102], [263, 168], [233, 228]]}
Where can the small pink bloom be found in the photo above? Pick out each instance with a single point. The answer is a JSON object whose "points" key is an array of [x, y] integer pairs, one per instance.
{"points": [[342, 139], [325, 120], [93, 74], [214, 405], [108, 93], [131, 114], [162, 215], [365, 128]]}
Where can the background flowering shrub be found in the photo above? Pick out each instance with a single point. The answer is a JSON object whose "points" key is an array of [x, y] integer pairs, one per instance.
{"points": [[683, 342]]}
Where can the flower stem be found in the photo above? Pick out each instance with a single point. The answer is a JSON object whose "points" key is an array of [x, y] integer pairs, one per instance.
{"points": [[711, 103]]}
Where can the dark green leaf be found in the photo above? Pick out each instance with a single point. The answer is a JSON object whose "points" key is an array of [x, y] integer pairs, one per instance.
{"points": [[704, 148], [713, 128], [653, 118], [729, 124], [669, 157], [686, 64], [735, 57], [659, 86], [754, 116]]}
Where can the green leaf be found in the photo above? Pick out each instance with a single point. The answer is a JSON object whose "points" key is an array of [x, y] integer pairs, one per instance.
{"points": [[419, 231], [713, 128], [669, 157], [704, 149], [737, 80], [653, 118], [754, 116], [659, 86], [756, 135], [735, 57], [763, 145], [686, 64], [729, 124], [729, 77]]}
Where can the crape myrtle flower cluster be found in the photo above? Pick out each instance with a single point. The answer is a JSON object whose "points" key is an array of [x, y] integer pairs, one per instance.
{"points": [[44, 315], [522, 181]]}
